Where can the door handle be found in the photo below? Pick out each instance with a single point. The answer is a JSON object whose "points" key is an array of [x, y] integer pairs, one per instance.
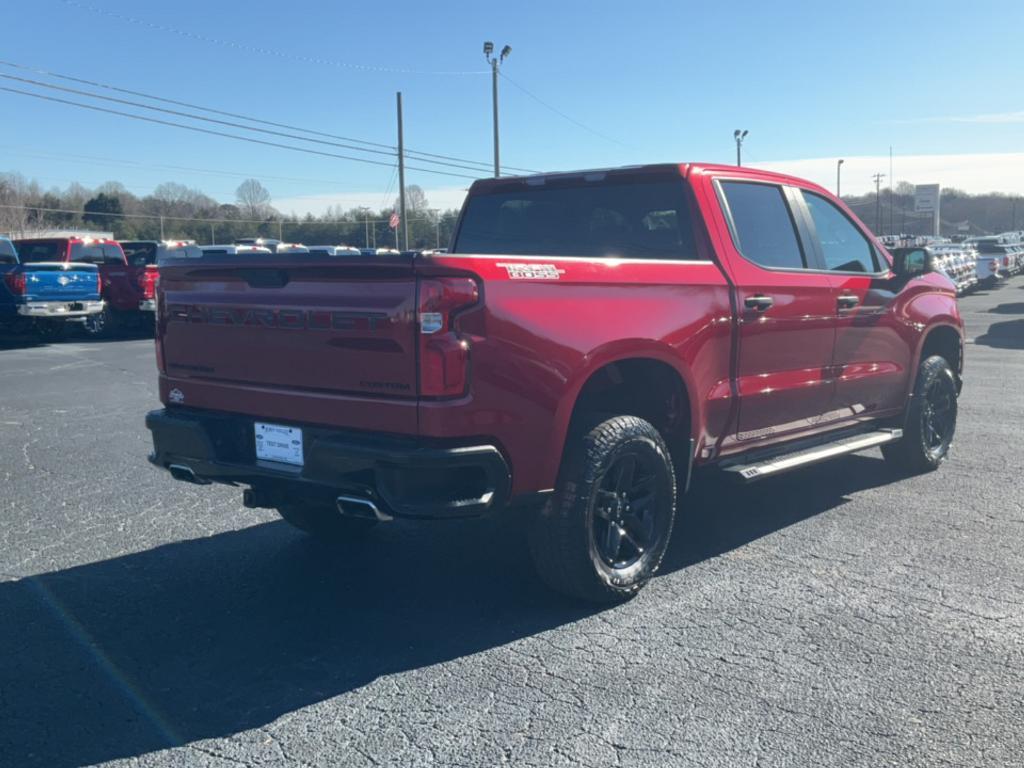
{"points": [[758, 303], [847, 301]]}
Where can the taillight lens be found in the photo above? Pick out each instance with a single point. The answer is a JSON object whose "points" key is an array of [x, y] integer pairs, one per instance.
{"points": [[444, 356], [15, 283], [99, 282]]}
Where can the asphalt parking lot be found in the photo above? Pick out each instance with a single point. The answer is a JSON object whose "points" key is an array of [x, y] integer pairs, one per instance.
{"points": [[837, 616]]}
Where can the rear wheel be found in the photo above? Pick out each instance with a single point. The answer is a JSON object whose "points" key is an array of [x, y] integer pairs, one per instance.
{"points": [[101, 323], [931, 421], [50, 330], [604, 534], [324, 522]]}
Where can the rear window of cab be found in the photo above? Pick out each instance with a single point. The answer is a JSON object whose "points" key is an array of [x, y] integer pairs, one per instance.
{"points": [[627, 218]]}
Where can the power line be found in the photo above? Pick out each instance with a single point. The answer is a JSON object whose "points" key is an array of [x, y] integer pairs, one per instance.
{"points": [[185, 218], [190, 116], [224, 134], [559, 112], [249, 118], [220, 42], [109, 161]]}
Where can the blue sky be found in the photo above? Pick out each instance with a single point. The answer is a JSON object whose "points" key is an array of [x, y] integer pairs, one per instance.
{"points": [[653, 81]]}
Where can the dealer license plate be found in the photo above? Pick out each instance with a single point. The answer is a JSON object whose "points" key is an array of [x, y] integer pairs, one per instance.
{"points": [[275, 442]]}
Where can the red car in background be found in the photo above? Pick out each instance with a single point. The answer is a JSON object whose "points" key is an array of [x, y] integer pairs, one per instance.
{"points": [[144, 256], [121, 289]]}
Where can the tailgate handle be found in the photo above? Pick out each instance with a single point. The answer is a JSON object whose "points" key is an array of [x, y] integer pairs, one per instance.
{"points": [[265, 278]]}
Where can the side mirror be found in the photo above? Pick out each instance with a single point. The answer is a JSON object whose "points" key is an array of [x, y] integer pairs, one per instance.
{"points": [[911, 263]]}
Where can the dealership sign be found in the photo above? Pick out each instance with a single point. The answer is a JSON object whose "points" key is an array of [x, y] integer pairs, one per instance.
{"points": [[926, 198]]}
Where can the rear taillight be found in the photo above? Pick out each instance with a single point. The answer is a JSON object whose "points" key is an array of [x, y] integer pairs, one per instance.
{"points": [[147, 281], [994, 265], [444, 356], [15, 283], [99, 283]]}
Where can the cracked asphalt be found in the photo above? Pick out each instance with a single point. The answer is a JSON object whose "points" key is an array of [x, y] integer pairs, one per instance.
{"points": [[838, 616]]}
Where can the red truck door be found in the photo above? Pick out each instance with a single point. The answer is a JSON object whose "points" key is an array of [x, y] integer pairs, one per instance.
{"points": [[871, 359], [786, 311], [120, 283]]}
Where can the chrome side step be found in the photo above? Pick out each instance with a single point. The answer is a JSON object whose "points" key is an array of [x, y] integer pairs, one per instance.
{"points": [[780, 463]]}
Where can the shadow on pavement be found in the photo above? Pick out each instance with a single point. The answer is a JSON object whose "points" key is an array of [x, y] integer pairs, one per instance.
{"points": [[209, 637], [1008, 334], [1016, 308]]}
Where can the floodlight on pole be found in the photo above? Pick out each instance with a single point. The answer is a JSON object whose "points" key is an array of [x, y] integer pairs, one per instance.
{"points": [[495, 62], [739, 135]]}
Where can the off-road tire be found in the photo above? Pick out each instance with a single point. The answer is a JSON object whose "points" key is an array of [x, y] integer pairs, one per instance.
{"points": [[102, 324], [563, 532], [921, 449]]}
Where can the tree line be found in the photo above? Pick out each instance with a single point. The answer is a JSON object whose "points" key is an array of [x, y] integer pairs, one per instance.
{"points": [[892, 212], [176, 211]]}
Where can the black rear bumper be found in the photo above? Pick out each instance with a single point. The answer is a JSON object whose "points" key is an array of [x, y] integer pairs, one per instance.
{"points": [[402, 476]]}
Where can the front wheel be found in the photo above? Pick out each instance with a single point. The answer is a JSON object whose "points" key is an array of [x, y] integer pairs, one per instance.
{"points": [[604, 533], [931, 420]]}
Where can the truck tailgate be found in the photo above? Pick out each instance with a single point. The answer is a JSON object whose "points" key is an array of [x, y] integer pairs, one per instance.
{"points": [[60, 281], [296, 323]]}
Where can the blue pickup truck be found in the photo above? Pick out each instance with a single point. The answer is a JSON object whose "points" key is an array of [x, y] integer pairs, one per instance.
{"points": [[44, 297]]}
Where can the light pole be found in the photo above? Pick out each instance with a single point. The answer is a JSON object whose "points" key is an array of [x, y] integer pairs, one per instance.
{"points": [[739, 136], [839, 168], [495, 62], [878, 201]]}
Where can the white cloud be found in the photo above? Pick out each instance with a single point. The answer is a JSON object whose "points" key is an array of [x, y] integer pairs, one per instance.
{"points": [[976, 173], [443, 198]]}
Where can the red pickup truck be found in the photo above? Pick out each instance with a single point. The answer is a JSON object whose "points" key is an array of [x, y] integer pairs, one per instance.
{"points": [[122, 288], [589, 339]]}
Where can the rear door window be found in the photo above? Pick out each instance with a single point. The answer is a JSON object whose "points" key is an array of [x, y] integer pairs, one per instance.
{"points": [[87, 253], [613, 218], [7, 253], [843, 246], [30, 253], [762, 225], [112, 254]]}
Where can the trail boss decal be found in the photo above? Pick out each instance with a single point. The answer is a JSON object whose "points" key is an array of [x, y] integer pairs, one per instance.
{"points": [[533, 271]]}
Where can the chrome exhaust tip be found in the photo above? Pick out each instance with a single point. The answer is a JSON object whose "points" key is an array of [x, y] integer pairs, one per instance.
{"points": [[354, 506], [185, 474]]}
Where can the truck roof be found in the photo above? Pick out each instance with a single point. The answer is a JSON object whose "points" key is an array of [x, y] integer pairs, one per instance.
{"points": [[682, 169]]}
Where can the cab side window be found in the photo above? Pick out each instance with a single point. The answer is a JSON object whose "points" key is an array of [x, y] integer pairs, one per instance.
{"points": [[843, 246], [762, 225]]}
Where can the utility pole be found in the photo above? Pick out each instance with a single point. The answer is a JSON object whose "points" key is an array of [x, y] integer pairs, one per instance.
{"points": [[495, 62], [437, 227], [280, 230], [1013, 201], [739, 136], [366, 225], [161, 227], [839, 168], [892, 183], [404, 223], [878, 202], [213, 235]]}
